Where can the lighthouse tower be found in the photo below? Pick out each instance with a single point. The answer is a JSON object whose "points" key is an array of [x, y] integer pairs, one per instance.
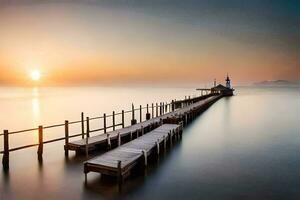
{"points": [[228, 85]]}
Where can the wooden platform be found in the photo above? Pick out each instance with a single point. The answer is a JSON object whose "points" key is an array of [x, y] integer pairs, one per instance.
{"points": [[120, 161], [140, 128]]}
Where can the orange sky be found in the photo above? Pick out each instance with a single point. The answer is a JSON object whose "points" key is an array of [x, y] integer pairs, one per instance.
{"points": [[87, 44]]}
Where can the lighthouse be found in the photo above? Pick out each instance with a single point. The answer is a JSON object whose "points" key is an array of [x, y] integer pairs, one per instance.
{"points": [[228, 84]]}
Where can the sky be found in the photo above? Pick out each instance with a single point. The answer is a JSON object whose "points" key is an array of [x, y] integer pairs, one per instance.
{"points": [[78, 42]]}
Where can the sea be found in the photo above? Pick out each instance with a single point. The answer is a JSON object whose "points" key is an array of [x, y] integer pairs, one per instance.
{"points": [[242, 147]]}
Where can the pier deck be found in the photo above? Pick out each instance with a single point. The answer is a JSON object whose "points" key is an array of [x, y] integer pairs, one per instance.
{"points": [[140, 128], [120, 161]]}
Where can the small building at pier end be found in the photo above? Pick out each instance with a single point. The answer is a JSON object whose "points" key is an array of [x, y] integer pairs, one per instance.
{"points": [[221, 89], [224, 90]]}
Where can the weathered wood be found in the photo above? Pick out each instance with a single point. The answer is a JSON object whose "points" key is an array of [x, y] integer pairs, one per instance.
{"points": [[152, 110], [172, 117], [87, 147], [5, 159], [133, 120], [66, 137], [82, 125], [173, 106], [141, 116], [41, 144], [87, 127], [104, 122], [165, 143], [123, 121], [148, 116], [113, 120], [120, 171], [156, 109], [108, 141], [157, 146], [145, 158], [130, 153], [119, 139]]}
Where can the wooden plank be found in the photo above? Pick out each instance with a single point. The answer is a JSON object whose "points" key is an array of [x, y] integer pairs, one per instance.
{"points": [[128, 153], [100, 139]]}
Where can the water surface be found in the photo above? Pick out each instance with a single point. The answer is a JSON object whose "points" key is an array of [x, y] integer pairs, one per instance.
{"points": [[243, 147]]}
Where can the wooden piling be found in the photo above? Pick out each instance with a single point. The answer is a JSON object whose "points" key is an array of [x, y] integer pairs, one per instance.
{"points": [[41, 144], [141, 113], [113, 121], [82, 125], [165, 143], [157, 147], [133, 120], [152, 110], [148, 114], [87, 147], [119, 139], [145, 157], [87, 127], [156, 109], [120, 178], [108, 141], [123, 121], [142, 130], [5, 158], [172, 105], [104, 122], [66, 137]]}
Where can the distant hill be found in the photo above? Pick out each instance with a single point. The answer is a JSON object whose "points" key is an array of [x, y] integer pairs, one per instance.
{"points": [[276, 83]]}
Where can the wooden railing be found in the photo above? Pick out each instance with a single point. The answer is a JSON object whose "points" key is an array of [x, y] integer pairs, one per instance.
{"points": [[156, 110]]}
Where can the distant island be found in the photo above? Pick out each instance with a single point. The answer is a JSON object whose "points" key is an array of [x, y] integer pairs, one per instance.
{"points": [[277, 83]]}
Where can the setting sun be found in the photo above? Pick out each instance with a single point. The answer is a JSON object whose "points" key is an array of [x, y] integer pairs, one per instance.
{"points": [[35, 75]]}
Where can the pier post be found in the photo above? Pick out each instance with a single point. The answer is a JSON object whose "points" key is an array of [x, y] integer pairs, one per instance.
{"points": [[123, 121], [165, 144], [5, 159], [104, 122], [119, 139], [170, 137], [145, 157], [152, 110], [160, 109], [157, 147], [172, 105], [87, 127], [82, 125], [133, 120], [41, 144], [87, 147], [120, 178], [66, 137], [108, 141], [148, 114], [166, 107], [156, 109], [141, 113], [113, 120]]}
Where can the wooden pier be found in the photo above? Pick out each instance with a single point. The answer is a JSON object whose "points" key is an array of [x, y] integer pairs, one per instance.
{"points": [[115, 133], [120, 161], [116, 136]]}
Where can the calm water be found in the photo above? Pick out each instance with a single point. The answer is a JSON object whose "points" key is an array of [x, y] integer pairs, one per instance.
{"points": [[243, 147]]}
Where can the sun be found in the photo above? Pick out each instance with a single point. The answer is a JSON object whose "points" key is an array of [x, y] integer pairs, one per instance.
{"points": [[35, 75]]}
